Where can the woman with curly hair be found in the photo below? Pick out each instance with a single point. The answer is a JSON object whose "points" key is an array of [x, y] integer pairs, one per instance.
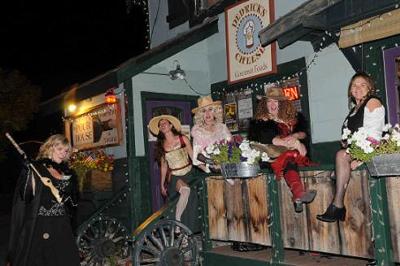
{"points": [[367, 112], [277, 122]]}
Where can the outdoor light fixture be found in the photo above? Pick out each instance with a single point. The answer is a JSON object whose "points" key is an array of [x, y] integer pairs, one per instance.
{"points": [[178, 73], [71, 108], [110, 96]]}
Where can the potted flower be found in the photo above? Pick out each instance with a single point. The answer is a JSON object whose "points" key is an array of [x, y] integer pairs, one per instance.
{"points": [[236, 157], [89, 164], [381, 157]]}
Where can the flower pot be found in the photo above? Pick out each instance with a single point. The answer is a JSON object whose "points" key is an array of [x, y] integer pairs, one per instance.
{"points": [[98, 180], [242, 170], [385, 165]]}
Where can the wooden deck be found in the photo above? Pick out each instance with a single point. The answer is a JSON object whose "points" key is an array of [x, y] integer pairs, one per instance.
{"points": [[292, 257]]}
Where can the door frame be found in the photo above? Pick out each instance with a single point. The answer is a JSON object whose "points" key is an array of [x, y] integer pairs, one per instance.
{"points": [[150, 97], [392, 97], [155, 96]]}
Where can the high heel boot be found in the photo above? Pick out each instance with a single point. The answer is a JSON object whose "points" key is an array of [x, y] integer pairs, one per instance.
{"points": [[332, 214]]}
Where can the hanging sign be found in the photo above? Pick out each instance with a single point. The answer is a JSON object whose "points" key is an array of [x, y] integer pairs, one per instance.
{"points": [[98, 127], [246, 58]]}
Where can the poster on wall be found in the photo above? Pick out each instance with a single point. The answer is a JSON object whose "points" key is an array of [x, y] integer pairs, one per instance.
{"points": [[246, 58], [99, 127], [245, 110], [231, 116]]}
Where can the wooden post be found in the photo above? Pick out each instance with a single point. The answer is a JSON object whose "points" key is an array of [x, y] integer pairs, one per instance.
{"points": [[205, 234], [380, 222], [275, 221]]}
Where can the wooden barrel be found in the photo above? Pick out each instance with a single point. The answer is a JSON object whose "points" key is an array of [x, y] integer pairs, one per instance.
{"points": [[356, 230], [393, 192], [294, 225], [216, 209], [258, 210], [324, 237], [238, 211]]}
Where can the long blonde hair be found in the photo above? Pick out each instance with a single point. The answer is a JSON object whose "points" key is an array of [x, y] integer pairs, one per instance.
{"points": [[47, 148], [218, 115]]}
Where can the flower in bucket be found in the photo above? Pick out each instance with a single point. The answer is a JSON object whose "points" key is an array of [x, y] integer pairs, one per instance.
{"points": [[363, 147], [83, 161], [234, 151]]}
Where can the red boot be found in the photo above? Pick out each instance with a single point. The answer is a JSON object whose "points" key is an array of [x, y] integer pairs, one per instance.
{"points": [[300, 196], [281, 162], [292, 179]]}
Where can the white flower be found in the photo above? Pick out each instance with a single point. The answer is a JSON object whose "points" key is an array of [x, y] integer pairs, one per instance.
{"points": [[216, 151], [386, 127], [346, 133], [210, 148], [245, 145], [264, 157], [386, 137]]}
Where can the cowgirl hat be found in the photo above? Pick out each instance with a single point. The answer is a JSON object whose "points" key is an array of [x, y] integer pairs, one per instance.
{"points": [[153, 124], [204, 102], [275, 93]]}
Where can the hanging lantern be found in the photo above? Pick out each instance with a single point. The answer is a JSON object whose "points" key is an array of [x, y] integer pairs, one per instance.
{"points": [[110, 96]]}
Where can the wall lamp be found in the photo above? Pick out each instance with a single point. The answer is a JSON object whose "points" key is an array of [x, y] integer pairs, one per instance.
{"points": [[177, 73]]}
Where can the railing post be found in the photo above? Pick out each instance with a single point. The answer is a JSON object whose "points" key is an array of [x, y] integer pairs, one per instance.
{"points": [[380, 222], [205, 235], [275, 220]]}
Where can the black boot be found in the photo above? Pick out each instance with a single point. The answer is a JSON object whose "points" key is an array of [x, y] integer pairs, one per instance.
{"points": [[307, 197], [332, 214]]}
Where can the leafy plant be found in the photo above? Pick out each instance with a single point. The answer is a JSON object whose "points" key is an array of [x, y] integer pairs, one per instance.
{"points": [[84, 161], [234, 151], [363, 147]]}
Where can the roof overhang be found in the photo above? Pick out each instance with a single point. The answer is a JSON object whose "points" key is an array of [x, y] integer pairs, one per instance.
{"points": [[309, 21]]}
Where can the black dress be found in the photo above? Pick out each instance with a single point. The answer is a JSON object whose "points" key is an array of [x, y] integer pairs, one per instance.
{"points": [[41, 232], [264, 131]]}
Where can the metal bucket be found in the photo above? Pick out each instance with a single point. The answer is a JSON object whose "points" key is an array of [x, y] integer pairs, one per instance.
{"points": [[385, 165], [242, 170]]}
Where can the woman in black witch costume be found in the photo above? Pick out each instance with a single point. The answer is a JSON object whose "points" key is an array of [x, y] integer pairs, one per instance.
{"points": [[41, 232]]}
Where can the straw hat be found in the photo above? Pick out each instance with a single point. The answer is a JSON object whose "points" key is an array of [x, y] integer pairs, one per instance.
{"points": [[276, 94], [153, 124], [204, 102]]}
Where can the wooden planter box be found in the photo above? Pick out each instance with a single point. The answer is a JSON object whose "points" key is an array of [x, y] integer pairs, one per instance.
{"points": [[385, 165], [97, 180]]}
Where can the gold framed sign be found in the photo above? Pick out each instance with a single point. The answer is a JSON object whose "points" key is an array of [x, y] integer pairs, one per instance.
{"points": [[99, 127], [246, 58]]}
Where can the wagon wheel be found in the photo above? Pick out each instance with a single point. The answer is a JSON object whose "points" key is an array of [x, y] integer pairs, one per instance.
{"points": [[167, 242], [103, 241]]}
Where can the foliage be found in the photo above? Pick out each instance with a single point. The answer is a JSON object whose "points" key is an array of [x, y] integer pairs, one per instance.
{"points": [[84, 161], [363, 147], [234, 151], [19, 100]]}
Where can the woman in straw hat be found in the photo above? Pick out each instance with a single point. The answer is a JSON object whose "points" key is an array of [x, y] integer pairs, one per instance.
{"points": [[277, 122], [208, 128], [174, 155]]}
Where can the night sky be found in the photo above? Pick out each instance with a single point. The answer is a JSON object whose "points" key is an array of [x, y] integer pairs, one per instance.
{"points": [[59, 43]]}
